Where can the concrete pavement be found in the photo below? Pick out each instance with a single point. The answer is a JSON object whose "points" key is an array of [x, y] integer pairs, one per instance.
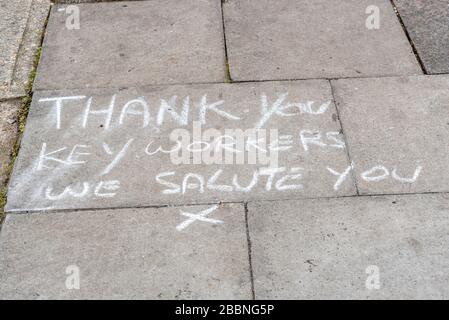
{"points": [[21, 29], [343, 192]]}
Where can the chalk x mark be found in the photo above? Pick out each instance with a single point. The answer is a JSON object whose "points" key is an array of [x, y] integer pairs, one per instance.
{"points": [[201, 216]]}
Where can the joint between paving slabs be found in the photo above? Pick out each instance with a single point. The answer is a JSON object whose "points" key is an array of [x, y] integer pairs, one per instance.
{"points": [[118, 88], [196, 204], [325, 78], [88, 1], [348, 153], [415, 50], [227, 67], [156, 206], [248, 238]]}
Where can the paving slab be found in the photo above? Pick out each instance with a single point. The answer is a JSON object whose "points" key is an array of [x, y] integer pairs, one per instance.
{"points": [[351, 248], [298, 39], [427, 22], [149, 42], [108, 149], [21, 26], [396, 131], [14, 19], [125, 254], [9, 124]]}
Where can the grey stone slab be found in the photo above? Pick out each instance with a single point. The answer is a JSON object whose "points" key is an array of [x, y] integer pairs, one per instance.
{"points": [[331, 248], [427, 22], [298, 39], [14, 16], [21, 26], [125, 254], [143, 176], [149, 42], [396, 130], [9, 123]]}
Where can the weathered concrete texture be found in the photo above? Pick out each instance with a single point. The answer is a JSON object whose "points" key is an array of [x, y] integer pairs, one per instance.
{"points": [[149, 177], [298, 39], [9, 112], [123, 44], [427, 22], [125, 254], [14, 16], [323, 248], [21, 26], [400, 126]]}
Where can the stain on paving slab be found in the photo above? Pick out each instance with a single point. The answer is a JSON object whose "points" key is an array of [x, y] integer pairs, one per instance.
{"points": [[132, 254], [427, 23], [180, 145], [298, 39], [396, 130], [391, 247], [123, 44]]}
